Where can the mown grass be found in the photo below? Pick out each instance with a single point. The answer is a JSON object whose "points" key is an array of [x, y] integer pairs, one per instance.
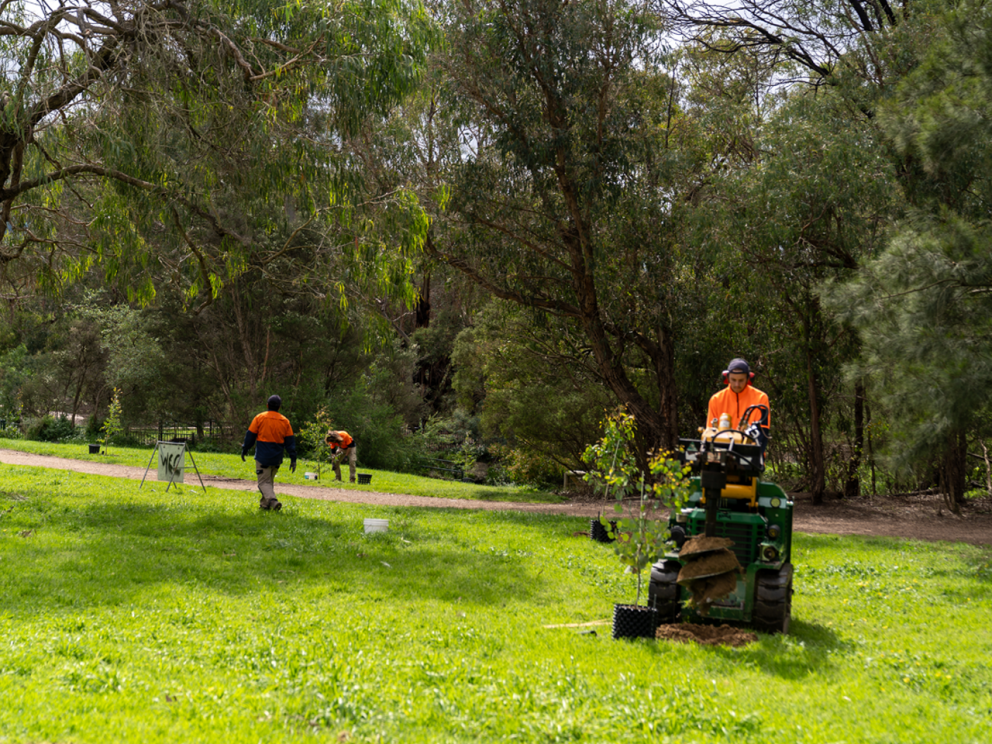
{"points": [[140, 615], [230, 466]]}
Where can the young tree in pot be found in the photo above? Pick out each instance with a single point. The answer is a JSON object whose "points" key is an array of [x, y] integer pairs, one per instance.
{"points": [[641, 528], [312, 434]]}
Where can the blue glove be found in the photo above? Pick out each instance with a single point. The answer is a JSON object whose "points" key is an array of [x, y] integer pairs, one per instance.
{"points": [[292, 466], [242, 455]]}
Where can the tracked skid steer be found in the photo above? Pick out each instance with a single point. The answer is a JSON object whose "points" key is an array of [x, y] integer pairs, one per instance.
{"points": [[730, 560]]}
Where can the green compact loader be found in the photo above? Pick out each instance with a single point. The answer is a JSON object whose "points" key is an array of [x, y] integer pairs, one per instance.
{"points": [[732, 542]]}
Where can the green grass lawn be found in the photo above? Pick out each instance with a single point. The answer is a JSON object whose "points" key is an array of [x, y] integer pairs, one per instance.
{"points": [[230, 466], [144, 616]]}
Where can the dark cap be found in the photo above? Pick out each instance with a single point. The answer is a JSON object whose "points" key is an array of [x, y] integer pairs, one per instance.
{"points": [[738, 366], [274, 402]]}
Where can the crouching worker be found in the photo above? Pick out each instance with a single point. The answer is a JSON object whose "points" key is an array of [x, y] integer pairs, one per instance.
{"points": [[272, 435], [341, 444]]}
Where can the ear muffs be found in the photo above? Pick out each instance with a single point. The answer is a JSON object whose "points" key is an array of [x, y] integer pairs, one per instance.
{"points": [[726, 377]]}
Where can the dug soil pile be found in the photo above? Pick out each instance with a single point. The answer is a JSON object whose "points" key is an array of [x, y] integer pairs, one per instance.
{"points": [[707, 635]]}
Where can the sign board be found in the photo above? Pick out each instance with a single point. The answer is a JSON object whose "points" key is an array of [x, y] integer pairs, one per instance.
{"points": [[171, 459]]}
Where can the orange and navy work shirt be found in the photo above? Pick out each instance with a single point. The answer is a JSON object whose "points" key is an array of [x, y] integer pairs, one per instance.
{"points": [[734, 404], [346, 441], [271, 434]]}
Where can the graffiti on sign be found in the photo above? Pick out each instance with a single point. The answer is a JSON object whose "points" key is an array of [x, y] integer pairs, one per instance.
{"points": [[171, 459]]}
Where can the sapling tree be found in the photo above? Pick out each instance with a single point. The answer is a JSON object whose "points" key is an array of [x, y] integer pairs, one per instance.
{"points": [[312, 435], [640, 531], [112, 426]]}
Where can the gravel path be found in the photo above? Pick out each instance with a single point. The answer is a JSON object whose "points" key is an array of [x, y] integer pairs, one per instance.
{"points": [[915, 516]]}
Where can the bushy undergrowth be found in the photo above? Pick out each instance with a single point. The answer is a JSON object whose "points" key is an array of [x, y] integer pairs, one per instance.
{"points": [[48, 428], [139, 615]]}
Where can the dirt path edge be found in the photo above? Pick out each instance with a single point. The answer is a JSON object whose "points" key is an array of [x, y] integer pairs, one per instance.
{"points": [[918, 519]]}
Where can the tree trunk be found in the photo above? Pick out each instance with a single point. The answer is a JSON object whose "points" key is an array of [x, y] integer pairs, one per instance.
{"points": [[817, 465], [423, 309], [871, 449], [852, 488], [953, 470], [668, 406], [656, 428]]}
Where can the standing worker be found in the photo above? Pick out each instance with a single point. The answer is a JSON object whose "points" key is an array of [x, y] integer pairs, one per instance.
{"points": [[736, 398], [271, 434], [341, 443]]}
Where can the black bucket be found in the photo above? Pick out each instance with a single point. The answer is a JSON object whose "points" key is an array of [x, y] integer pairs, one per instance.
{"points": [[599, 533], [94, 449], [634, 621], [364, 479]]}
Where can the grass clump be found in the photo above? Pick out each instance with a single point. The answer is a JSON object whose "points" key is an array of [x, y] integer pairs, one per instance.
{"points": [[143, 615]]}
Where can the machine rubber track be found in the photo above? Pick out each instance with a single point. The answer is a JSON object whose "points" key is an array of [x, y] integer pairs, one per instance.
{"points": [[773, 600], [664, 592]]}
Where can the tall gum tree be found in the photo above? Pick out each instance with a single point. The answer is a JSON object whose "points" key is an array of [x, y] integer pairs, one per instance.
{"points": [[184, 142], [559, 204]]}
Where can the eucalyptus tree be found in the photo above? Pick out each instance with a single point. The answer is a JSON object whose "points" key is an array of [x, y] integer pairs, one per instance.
{"points": [[840, 43], [183, 142], [517, 370], [559, 202]]}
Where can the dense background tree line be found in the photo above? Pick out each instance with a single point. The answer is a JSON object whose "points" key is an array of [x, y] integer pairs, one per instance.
{"points": [[489, 222]]}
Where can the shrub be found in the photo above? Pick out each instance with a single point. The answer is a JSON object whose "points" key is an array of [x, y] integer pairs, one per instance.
{"points": [[49, 429], [523, 466]]}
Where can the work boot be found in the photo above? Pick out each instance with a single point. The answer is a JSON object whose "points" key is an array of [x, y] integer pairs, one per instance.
{"points": [[352, 480], [262, 503], [277, 506]]}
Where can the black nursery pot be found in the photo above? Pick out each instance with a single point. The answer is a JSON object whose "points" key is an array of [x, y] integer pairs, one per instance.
{"points": [[599, 533], [634, 621], [94, 449]]}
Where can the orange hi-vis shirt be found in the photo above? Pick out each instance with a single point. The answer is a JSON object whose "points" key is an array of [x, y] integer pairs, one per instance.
{"points": [[271, 433], [734, 404], [346, 441]]}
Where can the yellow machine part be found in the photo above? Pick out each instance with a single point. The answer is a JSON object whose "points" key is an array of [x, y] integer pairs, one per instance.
{"points": [[739, 491], [726, 436], [733, 490]]}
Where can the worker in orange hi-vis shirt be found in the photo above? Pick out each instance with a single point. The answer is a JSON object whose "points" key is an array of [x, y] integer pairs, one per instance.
{"points": [[736, 398], [341, 444], [272, 435]]}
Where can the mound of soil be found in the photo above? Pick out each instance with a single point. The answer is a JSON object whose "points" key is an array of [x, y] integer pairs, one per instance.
{"points": [[707, 635]]}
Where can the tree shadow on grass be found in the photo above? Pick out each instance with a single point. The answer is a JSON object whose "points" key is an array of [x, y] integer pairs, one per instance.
{"points": [[113, 553], [807, 649], [804, 651]]}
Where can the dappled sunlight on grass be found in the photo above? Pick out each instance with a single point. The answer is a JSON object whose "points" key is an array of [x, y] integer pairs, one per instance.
{"points": [[135, 613]]}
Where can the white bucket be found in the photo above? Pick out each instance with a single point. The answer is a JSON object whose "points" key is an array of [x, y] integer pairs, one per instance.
{"points": [[309, 476], [376, 525]]}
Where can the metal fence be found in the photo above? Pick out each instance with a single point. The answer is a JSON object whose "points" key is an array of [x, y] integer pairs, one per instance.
{"points": [[174, 431]]}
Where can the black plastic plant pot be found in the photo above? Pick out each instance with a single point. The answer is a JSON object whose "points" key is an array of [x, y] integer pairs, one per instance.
{"points": [[634, 621], [364, 479], [94, 449], [599, 533]]}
